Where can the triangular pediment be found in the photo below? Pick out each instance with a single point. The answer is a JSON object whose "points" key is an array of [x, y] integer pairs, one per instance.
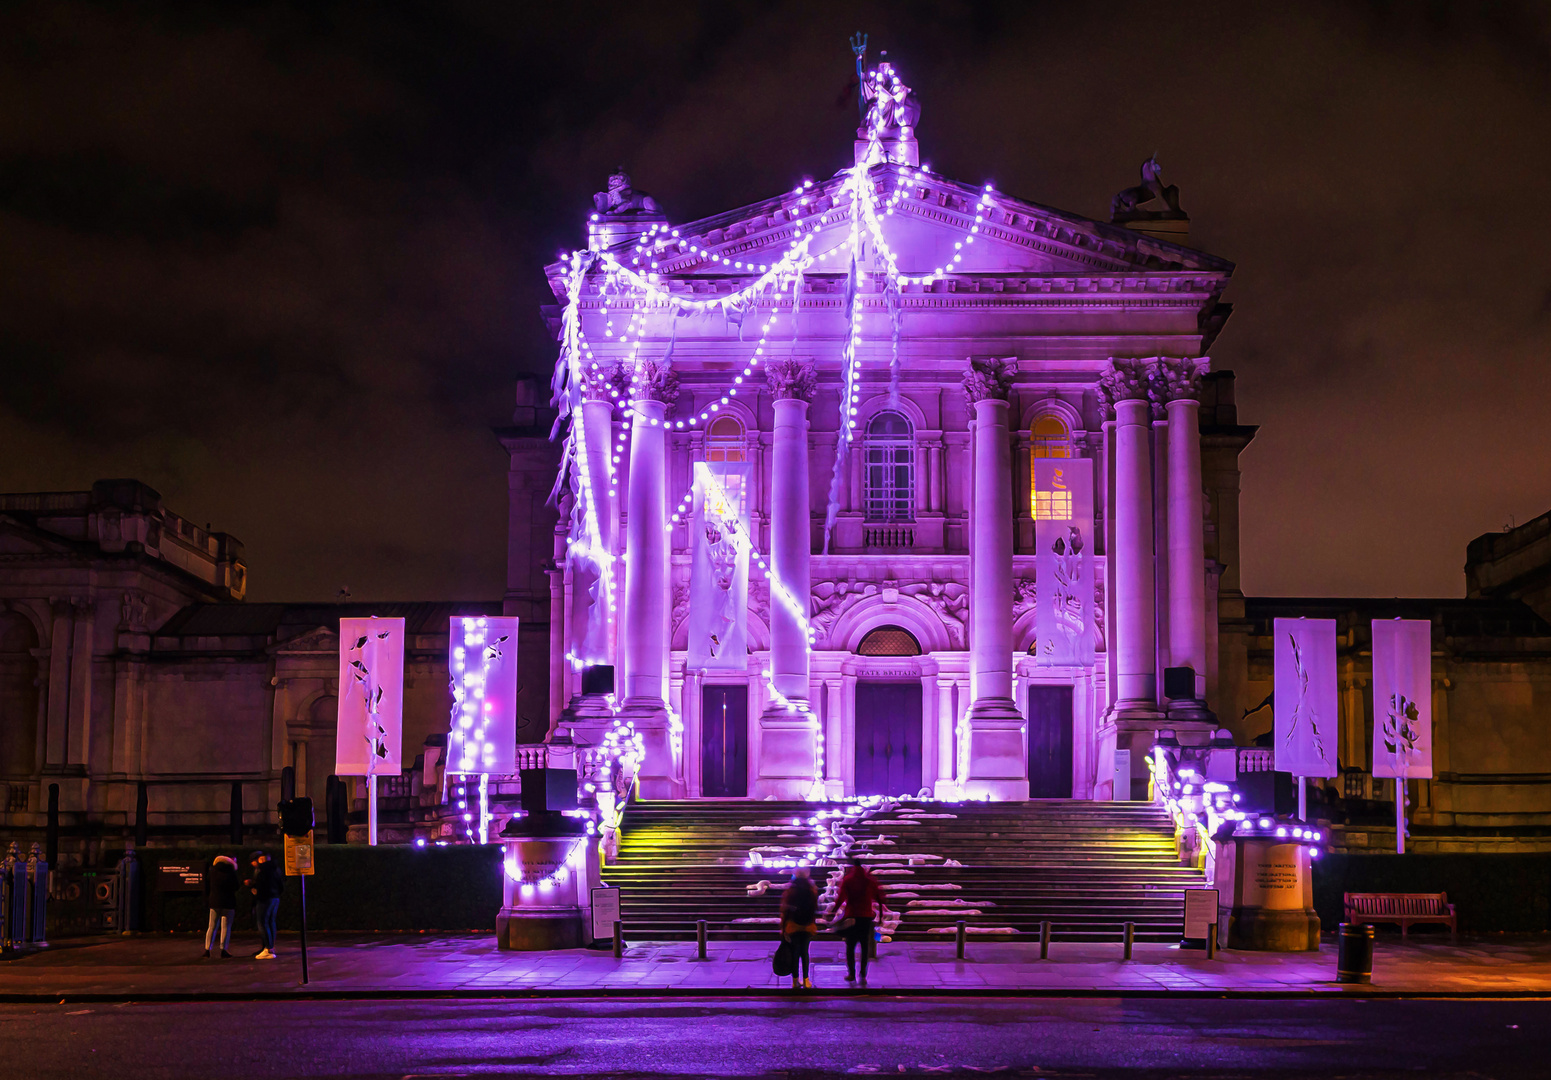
{"points": [[924, 226], [320, 639], [20, 539]]}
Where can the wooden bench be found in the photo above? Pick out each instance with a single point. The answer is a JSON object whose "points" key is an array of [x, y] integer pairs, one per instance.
{"points": [[1402, 908]]}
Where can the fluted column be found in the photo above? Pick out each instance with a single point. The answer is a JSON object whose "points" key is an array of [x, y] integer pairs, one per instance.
{"points": [[997, 763], [644, 642], [1179, 383], [789, 729], [1127, 385]]}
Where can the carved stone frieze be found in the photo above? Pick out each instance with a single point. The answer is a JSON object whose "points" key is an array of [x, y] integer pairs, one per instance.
{"points": [[791, 379], [989, 379], [1025, 593]]}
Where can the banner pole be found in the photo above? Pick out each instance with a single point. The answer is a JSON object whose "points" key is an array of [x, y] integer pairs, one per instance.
{"points": [[484, 808], [1400, 813], [371, 810], [1303, 798]]}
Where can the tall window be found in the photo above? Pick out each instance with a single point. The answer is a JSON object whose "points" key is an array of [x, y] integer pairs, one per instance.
{"points": [[724, 440], [1051, 437], [890, 461]]}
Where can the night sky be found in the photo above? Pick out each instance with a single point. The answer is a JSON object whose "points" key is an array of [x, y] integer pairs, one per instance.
{"points": [[283, 262]]}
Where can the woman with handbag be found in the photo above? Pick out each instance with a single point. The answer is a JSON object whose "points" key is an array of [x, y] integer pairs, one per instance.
{"points": [[861, 899], [799, 910]]}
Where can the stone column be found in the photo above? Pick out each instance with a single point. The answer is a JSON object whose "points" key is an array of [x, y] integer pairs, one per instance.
{"points": [[1179, 382], [1127, 384], [643, 642], [997, 763], [56, 730], [789, 729]]}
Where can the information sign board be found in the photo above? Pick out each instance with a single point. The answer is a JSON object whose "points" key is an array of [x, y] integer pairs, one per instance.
{"points": [[179, 878], [298, 855], [605, 913], [1200, 913]]}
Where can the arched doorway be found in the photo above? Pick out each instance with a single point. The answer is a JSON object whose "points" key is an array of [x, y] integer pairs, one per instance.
{"points": [[888, 721], [18, 696]]}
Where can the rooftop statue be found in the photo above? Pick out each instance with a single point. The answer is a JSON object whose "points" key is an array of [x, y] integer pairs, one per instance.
{"points": [[621, 198], [1129, 204]]}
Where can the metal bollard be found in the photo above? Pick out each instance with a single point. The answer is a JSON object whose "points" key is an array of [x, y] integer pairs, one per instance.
{"points": [[1044, 940], [1130, 932], [1211, 941], [619, 939], [958, 940], [700, 936]]}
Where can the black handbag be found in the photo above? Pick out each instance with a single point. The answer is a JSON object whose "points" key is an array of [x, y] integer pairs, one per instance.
{"points": [[785, 960]]}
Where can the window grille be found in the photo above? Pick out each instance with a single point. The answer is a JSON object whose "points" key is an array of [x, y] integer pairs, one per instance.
{"points": [[1051, 438], [889, 641], [724, 440], [890, 461]]}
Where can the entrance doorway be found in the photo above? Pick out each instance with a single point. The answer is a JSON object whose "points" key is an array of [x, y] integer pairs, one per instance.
{"points": [[724, 742], [888, 738], [1050, 742]]}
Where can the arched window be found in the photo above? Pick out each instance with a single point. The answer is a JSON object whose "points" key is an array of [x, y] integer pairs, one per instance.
{"points": [[1051, 437], [889, 451], [889, 641], [724, 440]]}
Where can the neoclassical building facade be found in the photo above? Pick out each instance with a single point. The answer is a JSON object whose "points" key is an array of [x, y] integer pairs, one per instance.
{"points": [[1059, 350]]}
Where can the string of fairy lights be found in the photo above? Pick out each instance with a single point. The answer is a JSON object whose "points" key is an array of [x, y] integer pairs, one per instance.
{"points": [[633, 285]]}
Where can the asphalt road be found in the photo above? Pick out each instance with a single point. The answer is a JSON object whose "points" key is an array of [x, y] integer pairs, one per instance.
{"points": [[1136, 1039]]}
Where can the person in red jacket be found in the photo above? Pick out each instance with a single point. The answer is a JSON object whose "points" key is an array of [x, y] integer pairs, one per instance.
{"points": [[860, 900]]}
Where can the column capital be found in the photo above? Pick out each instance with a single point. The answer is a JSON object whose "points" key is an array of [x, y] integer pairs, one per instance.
{"points": [[1125, 380], [650, 380], [791, 379], [1179, 378], [989, 379]]}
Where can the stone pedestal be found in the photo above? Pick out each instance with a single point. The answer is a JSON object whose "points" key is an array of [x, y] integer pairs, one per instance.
{"points": [[544, 897], [1265, 895]]}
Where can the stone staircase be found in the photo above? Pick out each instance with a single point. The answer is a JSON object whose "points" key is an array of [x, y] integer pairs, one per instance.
{"points": [[1087, 867]]}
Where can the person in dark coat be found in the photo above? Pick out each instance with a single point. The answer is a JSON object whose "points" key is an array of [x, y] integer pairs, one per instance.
{"points": [[266, 885], [861, 899], [221, 897], [799, 910]]}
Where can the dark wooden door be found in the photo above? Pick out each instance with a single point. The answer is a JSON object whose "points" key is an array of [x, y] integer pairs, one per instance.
{"points": [[724, 742], [1050, 742], [888, 738]]}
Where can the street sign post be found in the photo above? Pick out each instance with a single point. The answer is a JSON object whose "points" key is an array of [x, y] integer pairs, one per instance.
{"points": [[296, 822]]}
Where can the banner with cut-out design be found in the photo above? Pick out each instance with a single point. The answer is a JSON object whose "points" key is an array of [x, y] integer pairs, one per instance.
{"points": [[1305, 725], [369, 734], [1062, 500], [482, 671], [719, 569], [1403, 698]]}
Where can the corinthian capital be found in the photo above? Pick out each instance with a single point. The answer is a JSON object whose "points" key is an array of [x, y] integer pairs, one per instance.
{"points": [[649, 380], [791, 379], [1176, 379], [988, 379], [1126, 380]]}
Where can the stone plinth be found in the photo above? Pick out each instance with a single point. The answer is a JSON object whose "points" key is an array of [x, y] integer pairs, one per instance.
{"points": [[544, 896], [1265, 895]]}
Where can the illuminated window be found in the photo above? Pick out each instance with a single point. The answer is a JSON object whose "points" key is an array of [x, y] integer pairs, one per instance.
{"points": [[889, 641], [1056, 503], [724, 440], [890, 462], [1051, 437]]}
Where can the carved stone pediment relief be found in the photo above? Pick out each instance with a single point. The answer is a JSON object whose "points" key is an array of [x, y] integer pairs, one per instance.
{"points": [[318, 640]]}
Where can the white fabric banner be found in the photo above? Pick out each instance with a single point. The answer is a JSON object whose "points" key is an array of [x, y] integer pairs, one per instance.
{"points": [[719, 570], [1306, 722], [369, 734], [1063, 561], [588, 633], [1403, 698], [482, 669]]}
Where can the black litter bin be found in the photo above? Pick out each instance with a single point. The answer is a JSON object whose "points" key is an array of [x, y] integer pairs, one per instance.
{"points": [[1354, 953]]}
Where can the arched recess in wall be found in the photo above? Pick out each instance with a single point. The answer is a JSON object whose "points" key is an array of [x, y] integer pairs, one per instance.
{"points": [[314, 729], [908, 613], [19, 696]]}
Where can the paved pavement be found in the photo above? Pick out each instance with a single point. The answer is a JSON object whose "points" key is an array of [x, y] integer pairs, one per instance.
{"points": [[782, 1037], [146, 968]]}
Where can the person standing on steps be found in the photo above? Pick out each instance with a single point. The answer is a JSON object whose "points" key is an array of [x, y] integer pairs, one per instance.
{"points": [[221, 898], [266, 884], [860, 900], [799, 910]]}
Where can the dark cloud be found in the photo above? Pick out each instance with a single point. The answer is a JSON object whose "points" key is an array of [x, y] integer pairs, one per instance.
{"points": [[283, 262]]}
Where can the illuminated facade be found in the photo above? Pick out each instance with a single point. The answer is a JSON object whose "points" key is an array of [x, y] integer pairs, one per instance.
{"points": [[880, 369]]}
